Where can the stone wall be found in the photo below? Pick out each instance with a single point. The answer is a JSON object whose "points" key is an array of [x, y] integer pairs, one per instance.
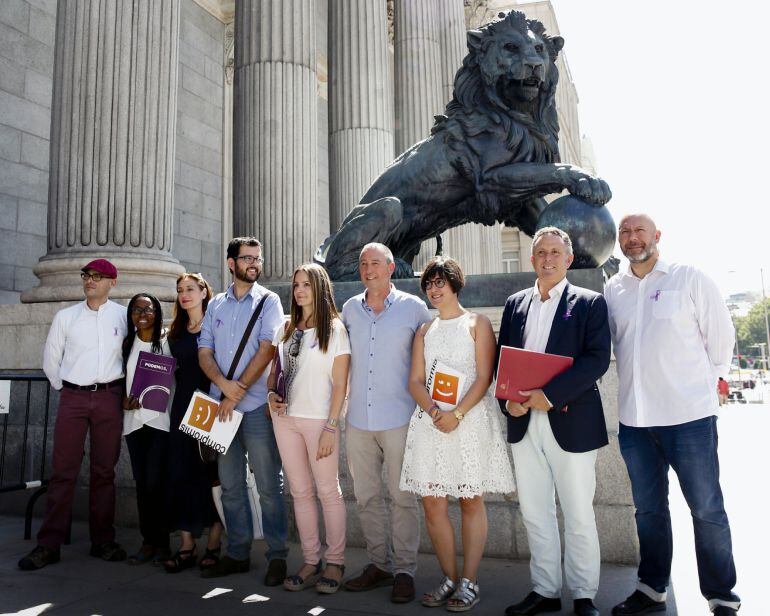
{"points": [[26, 80], [199, 140]]}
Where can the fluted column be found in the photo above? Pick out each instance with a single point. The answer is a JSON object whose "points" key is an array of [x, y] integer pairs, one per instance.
{"points": [[275, 158], [478, 248], [113, 134], [360, 101], [419, 97], [418, 70]]}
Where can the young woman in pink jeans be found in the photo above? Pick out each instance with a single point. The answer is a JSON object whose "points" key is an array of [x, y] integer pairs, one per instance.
{"points": [[312, 360]]}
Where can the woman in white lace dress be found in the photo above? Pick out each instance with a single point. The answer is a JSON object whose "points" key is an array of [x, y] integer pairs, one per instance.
{"points": [[455, 444]]}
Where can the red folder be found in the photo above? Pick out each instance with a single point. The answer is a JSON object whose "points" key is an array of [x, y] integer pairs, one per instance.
{"points": [[522, 370]]}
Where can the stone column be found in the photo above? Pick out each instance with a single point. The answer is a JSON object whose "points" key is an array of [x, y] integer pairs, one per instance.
{"points": [[419, 96], [227, 147], [275, 156], [417, 49], [360, 101], [478, 248], [113, 133]]}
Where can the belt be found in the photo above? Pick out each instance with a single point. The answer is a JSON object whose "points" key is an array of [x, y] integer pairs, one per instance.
{"points": [[94, 387]]}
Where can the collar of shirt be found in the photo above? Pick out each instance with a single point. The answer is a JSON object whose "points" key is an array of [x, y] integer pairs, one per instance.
{"points": [[388, 300], [660, 266], [86, 308], [555, 292], [256, 291]]}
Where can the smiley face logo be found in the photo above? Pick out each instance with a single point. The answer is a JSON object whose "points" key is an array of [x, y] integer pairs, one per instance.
{"points": [[203, 414], [445, 388]]}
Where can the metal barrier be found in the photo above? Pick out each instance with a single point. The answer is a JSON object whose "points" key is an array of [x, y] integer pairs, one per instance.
{"points": [[38, 481]]}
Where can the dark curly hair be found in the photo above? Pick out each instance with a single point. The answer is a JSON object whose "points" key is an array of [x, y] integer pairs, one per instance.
{"points": [[157, 327]]}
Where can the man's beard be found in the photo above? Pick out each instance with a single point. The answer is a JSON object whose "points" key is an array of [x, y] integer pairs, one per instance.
{"points": [[641, 257], [242, 274]]}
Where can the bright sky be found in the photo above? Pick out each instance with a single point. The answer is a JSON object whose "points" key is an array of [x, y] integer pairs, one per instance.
{"points": [[674, 96]]}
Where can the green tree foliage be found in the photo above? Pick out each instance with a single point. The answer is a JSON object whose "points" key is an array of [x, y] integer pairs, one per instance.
{"points": [[750, 329]]}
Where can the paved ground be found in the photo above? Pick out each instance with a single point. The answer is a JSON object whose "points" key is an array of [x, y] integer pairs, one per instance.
{"points": [[744, 458], [85, 586]]}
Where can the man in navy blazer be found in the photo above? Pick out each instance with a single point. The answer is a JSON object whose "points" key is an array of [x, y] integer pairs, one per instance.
{"points": [[556, 432]]}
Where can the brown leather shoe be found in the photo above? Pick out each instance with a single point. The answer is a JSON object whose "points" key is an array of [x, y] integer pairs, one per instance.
{"points": [[403, 588], [371, 577]]}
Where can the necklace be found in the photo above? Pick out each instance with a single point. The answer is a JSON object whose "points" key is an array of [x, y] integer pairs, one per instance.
{"points": [[193, 326]]}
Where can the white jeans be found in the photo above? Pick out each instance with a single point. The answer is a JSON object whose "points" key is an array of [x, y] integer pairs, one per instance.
{"points": [[540, 465]]}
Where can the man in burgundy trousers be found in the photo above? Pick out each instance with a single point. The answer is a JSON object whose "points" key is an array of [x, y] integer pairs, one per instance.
{"points": [[82, 358]]}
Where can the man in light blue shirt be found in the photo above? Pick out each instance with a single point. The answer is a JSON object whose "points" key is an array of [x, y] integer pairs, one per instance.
{"points": [[224, 324], [381, 324]]}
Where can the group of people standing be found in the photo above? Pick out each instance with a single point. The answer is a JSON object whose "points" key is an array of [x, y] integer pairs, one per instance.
{"points": [[294, 378]]}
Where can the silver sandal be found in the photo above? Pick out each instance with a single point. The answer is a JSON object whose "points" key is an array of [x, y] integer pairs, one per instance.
{"points": [[466, 594], [439, 595]]}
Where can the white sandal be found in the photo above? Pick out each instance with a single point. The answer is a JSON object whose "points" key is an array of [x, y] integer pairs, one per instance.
{"points": [[466, 594], [439, 595]]}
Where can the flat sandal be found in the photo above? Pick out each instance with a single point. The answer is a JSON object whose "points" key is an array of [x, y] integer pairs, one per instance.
{"points": [[466, 595], [439, 595], [329, 586], [296, 582]]}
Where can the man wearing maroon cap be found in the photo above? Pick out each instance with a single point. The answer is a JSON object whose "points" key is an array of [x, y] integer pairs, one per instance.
{"points": [[82, 358]]}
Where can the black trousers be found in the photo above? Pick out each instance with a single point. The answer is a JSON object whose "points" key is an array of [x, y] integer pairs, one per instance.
{"points": [[148, 448]]}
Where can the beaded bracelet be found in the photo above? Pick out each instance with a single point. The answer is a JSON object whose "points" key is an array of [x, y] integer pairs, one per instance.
{"points": [[328, 429]]}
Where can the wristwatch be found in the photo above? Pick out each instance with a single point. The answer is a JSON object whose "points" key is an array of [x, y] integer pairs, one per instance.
{"points": [[333, 422], [458, 415]]}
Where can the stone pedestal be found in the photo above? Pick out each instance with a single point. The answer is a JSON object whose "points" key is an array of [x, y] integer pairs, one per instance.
{"points": [[275, 157], [360, 101], [112, 147]]}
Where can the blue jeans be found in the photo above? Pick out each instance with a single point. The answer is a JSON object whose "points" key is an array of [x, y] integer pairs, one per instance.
{"points": [[691, 450], [255, 436]]}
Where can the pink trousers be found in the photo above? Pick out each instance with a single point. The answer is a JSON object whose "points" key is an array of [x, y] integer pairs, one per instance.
{"points": [[297, 440]]}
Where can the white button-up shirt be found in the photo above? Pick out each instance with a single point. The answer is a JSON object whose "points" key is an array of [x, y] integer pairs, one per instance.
{"points": [[84, 345], [673, 338], [537, 329]]}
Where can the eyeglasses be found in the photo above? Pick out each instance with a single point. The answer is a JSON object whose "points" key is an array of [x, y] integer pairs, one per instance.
{"points": [[96, 276], [296, 342], [140, 311], [250, 259], [438, 283]]}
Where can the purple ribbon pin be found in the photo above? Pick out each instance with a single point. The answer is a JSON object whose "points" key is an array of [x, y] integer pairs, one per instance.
{"points": [[218, 323], [567, 314], [655, 297]]}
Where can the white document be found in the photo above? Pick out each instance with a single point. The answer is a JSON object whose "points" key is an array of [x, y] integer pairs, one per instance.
{"points": [[316, 610], [5, 397], [255, 599], [200, 421], [216, 592]]}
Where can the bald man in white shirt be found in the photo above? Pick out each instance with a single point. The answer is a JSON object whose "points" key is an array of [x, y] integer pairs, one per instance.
{"points": [[83, 359], [673, 338]]}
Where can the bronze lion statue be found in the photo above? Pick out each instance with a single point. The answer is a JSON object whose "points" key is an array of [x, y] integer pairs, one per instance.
{"points": [[490, 158]]}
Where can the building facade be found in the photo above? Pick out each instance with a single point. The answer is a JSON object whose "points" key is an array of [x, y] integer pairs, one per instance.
{"points": [[151, 131], [264, 130]]}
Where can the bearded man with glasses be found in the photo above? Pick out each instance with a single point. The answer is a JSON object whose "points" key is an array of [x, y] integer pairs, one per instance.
{"points": [[82, 358], [224, 325]]}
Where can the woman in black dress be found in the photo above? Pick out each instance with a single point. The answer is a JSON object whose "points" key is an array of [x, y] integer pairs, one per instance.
{"points": [[191, 507]]}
